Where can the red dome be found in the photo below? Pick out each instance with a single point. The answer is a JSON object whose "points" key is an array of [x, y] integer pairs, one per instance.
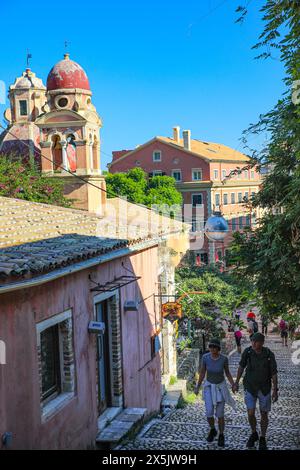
{"points": [[67, 74]]}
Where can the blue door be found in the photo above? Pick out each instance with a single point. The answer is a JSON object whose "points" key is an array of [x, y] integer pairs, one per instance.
{"points": [[104, 394]]}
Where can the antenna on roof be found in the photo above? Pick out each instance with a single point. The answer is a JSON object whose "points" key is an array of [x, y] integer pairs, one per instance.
{"points": [[28, 57]]}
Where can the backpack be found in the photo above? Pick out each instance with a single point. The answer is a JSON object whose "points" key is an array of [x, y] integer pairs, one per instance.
{"points": [[282, 325], [255, 326], [249, 350]]}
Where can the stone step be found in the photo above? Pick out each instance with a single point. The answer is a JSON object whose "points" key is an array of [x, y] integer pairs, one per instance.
{"points": [[171, 399], [120, 426], [107, 416]]}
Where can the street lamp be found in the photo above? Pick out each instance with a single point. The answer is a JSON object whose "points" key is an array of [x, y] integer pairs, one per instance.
{"points": [[216, 227]]}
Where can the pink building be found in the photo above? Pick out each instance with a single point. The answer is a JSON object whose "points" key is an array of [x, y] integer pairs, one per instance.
{"points": [[201, 171], [58, 377]]}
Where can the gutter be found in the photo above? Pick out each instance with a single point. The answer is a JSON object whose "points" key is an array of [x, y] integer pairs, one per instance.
{"points": [[58, 273]]}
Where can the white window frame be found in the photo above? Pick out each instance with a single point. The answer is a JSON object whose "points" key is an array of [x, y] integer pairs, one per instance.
{"points": [[216, 174], [116, 401], [54, 405], [225, 194], [197, 194], [157, 172], [232, 194], [153, 155], [197, 170], [252, 174], [177, 171], [224, 176], [246, 173], [19, 108], [240, 201], [219, 196]]}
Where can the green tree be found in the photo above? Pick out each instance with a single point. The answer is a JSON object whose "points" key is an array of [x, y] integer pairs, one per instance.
{"points": [[270, 256], [162, 190], [132, 185], [223, 294], [26, 182], [138, 188]]}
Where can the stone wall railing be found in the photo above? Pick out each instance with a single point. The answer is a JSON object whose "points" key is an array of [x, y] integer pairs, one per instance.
{"points": [[228, 343], [188, 364]]}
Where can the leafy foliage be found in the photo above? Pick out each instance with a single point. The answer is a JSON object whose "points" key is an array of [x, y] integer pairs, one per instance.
{"points": [[135, 185], [224, 294], [26, 182], [270, 256]]}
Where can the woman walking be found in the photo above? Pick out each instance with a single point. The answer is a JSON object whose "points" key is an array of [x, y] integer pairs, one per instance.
{"points": [[283, 326], [238, 338], [215, 391]]}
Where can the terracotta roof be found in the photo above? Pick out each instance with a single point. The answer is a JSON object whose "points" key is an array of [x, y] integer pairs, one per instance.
{"points": [[207, 150], [38, 238], [210, 150]]}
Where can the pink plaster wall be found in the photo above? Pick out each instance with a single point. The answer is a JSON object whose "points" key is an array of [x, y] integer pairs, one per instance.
{"points": [[75, 426], [145, 156]]}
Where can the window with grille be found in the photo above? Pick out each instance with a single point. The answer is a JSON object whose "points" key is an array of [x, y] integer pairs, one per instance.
{"points": [[196, 175], [56, 362], [50, 361], [23, 107], [157, 156], [176, 175]]}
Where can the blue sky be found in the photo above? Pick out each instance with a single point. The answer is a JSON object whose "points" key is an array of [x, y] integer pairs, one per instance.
{"points": [[151, 65]]}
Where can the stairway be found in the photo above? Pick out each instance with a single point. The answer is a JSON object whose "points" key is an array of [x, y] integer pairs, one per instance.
{"points": [[186, 429], [122, 422]]}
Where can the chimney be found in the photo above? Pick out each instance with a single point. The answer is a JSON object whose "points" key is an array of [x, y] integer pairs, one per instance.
{"points": [[176, 134], [187, 139]]}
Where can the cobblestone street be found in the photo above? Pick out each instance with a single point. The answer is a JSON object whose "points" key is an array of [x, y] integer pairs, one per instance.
{"points": [[187, 428]]}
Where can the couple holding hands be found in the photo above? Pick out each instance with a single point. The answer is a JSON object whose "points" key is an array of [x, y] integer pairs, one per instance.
{"points": [[261, 374]]}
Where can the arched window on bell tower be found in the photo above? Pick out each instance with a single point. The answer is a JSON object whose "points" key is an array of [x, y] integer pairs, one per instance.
{"points": [[71, 153], [91, 159], [56, 150], [96, 157]]}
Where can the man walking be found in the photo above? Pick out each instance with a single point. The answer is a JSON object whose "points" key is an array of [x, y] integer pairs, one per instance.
{"points": [[264, 324], [261, 374]]}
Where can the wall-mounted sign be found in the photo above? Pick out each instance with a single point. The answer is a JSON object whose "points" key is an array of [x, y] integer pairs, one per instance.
{"points": [[171, 310]]}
